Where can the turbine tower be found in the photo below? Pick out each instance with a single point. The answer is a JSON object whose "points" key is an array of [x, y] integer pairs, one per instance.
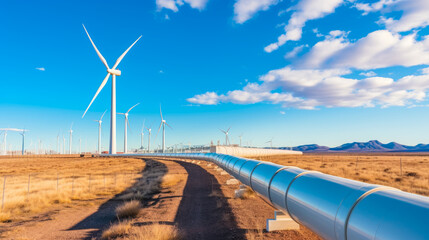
{"points": [[114, 72], [71, 139], [5, 130], [163, 123], [271, 142], [148, 141], [226, 135], [142, 135], [23, 141], [241, 135], [126, 124], [99, 132]]}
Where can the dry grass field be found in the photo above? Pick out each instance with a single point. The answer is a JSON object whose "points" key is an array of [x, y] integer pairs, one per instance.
{"points": [[31, 184], [406, 172]]}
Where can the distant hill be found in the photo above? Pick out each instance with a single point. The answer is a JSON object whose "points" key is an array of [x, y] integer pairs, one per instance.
{"points": [[371, 146]]}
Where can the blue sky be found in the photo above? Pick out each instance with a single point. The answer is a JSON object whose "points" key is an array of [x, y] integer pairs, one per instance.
{"points": [[300, 72]]}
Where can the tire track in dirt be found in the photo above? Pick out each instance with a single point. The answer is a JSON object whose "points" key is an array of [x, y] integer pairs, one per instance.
{"points": [[204, 212]]}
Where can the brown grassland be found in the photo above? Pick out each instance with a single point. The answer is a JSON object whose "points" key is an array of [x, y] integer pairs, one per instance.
{"points": [[407, 172], [34, 183]]}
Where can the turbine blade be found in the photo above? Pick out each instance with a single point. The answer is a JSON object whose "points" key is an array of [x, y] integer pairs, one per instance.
{"points": [[98, 52], [123, 54], [168, 126], [157, 132], [103, 114], [160, 111], [132, 107], [222, 130], [228, 129], [121, 113], [98, 91]]}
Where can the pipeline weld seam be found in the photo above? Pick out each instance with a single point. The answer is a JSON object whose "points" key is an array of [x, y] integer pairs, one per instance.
{"points": [[378, 189], [290, 184], [269, 184], [251, 173]]}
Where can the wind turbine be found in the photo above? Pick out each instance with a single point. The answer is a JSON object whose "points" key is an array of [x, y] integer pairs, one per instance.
{"points": [[148, 142], [114, 72], [126, 124], [163, 123], [271, 142], [241, 135], [71, 139], [23, 140], [5, 130], [142, 135], [99, 132], [226, 135]]}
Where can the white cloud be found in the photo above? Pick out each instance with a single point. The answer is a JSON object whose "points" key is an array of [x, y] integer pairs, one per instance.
{"points": [[377, 50], [282, 112], [41, 69], [310, 89], [377, 6], [304, 11], [368, 74], [425, 70], [168, 4], [294, 52], [245, 9], [166, 17], [175, 4], [414, 13]]}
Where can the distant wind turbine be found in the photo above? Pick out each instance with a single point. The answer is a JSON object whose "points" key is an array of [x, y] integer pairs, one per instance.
{"points": [[99, 131], [23, 141], [226, 135], [142, 135], [5, 130], [163, 123], [71, 139], [126, 125], [271, 142], [149, 130], [114, 72], [241, 135]]}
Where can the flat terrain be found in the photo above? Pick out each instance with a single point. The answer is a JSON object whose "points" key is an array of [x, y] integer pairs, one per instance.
{"points": [[407, 172], [178, 199]]}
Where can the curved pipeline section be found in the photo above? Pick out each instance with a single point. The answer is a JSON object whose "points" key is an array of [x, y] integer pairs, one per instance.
{"points": [[333, 207]]}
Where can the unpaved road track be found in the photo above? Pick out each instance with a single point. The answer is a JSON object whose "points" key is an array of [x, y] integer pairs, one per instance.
{"points": [[203, 214]]}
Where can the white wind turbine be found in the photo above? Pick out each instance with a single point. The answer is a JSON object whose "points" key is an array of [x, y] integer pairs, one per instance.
{"points": [[142, 135], [271, 142], [149, 130], [163, 123], [71, 139], [226, 135], [5, 130], [126, 124], [114, 72], [99, 132], [23, 141], [241, 135]]}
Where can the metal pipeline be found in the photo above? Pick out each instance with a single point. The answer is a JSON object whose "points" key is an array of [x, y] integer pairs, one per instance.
{"points": [[332, 207]]}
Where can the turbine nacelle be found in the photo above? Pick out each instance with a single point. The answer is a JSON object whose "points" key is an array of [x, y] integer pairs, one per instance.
{"points": [[115, 72]]}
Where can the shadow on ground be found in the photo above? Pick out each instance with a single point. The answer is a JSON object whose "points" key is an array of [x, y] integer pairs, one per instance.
{"points": [[204, 212], [105, 214]]}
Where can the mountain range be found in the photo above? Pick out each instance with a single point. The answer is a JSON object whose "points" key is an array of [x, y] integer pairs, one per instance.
{"points": [[371, 146]]}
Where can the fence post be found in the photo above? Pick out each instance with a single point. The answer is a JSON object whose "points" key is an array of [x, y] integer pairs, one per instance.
{"points": [[400, 164], [57, 181], [115, 180], [357, 158], [4, 187], [28, 187], [72, 186]]}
